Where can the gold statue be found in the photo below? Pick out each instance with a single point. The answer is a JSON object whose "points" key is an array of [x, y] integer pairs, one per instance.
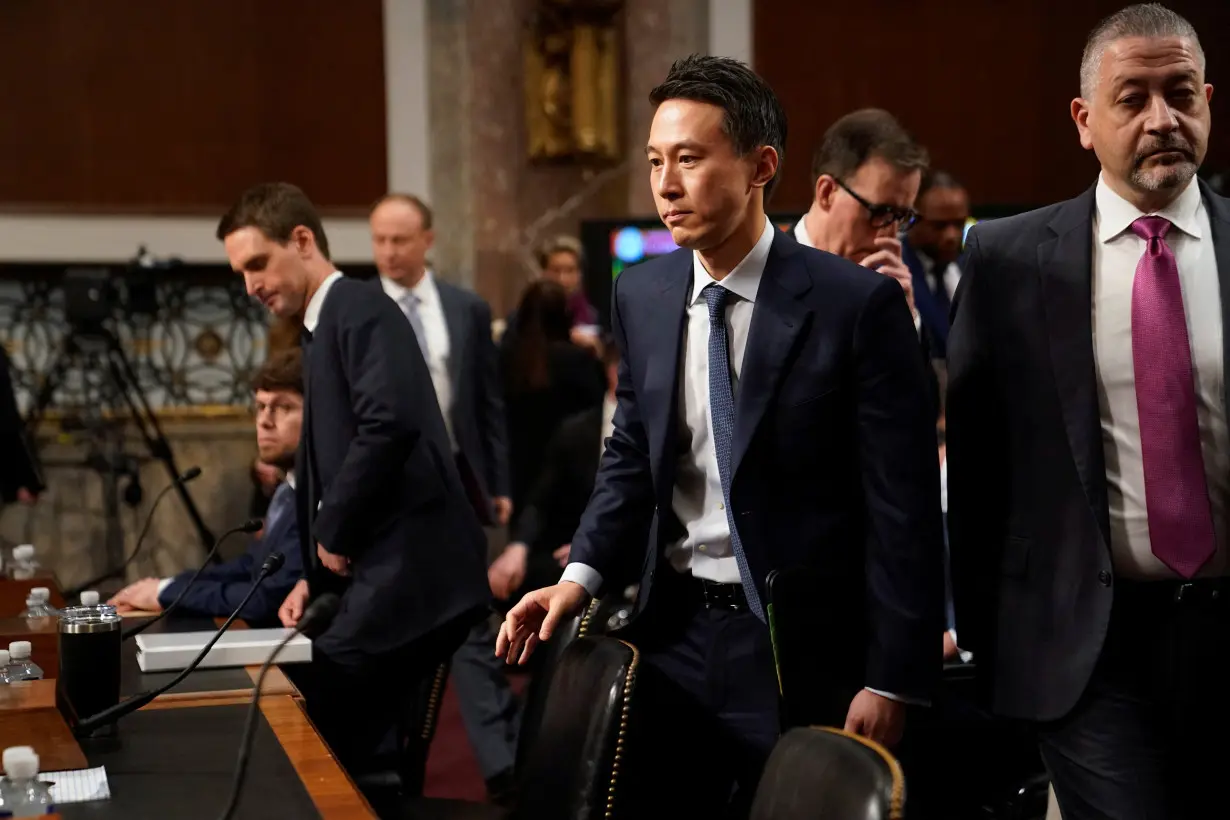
{"points": [[572, 66]]}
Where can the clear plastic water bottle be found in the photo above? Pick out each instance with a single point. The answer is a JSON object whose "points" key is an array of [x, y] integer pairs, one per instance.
{"points": [[4, 668], [37, 607], [22, 793], [20, 666], [24, 566]]}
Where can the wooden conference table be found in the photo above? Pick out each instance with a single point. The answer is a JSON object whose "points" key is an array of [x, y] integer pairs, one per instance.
{"points": [[176, 756]]}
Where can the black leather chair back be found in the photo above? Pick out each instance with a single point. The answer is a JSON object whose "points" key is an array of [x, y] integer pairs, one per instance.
{"points": [[817, 773], [540, 685], [574, 770]]}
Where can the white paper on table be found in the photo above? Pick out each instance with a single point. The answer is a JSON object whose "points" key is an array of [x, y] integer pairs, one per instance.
{"points": [[78, 785]]}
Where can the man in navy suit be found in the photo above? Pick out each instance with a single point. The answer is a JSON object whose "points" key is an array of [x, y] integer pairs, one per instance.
{"points": [[453, 327], [219, 589], [930, 251], [772, 413], [383, 518]]}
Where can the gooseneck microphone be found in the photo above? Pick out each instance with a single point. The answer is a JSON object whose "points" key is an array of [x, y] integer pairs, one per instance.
{"points": [[272, 564], [249, 526], [316, 619], [184, 478]]}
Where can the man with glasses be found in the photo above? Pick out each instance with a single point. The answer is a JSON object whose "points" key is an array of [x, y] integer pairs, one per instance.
{"points": [[865, 175]]}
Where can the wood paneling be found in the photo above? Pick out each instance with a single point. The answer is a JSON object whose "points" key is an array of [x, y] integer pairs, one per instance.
{"points": [[144, 105], [984, 84]]}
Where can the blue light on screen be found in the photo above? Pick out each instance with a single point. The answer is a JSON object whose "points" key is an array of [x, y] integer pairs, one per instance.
{"points": [[629, 245]]}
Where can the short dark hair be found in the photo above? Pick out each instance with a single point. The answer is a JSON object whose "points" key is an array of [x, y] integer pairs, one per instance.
{"points": [[753, 114], [561, 244], [860, 136], [281, 371], [938, 181], [425, 214], [275, 209], [1139, 20]]}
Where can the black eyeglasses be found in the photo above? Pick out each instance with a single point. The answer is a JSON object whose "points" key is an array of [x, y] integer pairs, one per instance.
{"points": [[883, 215]]}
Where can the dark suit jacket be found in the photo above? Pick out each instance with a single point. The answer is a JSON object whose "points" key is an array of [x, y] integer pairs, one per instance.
{"points": [[376, 459], [554, 506], [834, 452], [220, 587], [931, 309], [1028, 517], [18, 464], [478, 403]]}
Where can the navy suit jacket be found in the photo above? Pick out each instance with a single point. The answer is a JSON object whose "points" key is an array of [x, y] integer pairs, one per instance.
{"points": [[834, 453], [932, 311], [220, 587], [377, 482], [478, 402]]}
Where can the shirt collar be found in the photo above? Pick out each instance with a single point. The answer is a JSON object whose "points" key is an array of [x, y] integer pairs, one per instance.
{"points": [[744, 280], [1115, 214], [800, 233], [425, 289], [290, 478], [311, 314]]}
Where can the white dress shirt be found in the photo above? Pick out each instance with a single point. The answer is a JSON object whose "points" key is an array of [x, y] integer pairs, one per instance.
{"points": [[950, 279], [1116, 252], [698, 501], [435, 328], [311, 314]]}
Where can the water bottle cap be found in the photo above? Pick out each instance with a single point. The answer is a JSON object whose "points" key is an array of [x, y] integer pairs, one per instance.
{"points": [[19, 650], [89, 598], [21, 761], [4, 657], [23, 552], [42, 593]]}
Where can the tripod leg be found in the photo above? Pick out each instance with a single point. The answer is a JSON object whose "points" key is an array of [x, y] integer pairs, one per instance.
{"points": [[143, 416]]}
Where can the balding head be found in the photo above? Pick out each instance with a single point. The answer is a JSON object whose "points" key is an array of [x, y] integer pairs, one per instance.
{"points": [[401, 227]]}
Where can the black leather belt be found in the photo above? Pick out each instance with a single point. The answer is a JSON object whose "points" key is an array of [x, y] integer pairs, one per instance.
{"points": [[1201, 591], [721, 596]]}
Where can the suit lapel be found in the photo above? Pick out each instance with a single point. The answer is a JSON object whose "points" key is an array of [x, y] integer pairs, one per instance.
{"points": [[1219, 220], [777, 320], [456, 320], [1065, 264], [665, 320]]}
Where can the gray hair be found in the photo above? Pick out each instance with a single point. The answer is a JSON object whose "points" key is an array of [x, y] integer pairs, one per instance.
{"points": [[1140, 20]]}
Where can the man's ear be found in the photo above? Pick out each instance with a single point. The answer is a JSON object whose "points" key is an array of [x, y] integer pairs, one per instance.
{"points": [[826, 189], [1080, 116]]}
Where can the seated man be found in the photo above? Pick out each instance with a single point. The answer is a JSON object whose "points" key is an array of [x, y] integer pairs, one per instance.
{"points": [[278, 389]]}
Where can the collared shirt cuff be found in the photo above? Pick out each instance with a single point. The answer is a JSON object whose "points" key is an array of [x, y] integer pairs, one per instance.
{"points": [[162, 587], [900, 698], [584, 575], [918, 322]]}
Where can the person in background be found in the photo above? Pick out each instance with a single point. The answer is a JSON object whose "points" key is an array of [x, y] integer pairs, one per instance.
{"points": [[547, 378], [219, 589], [930, 251], [541, 540], [561, 259], [20, 477], [1089, 464], [384, 521], [453, 329]]}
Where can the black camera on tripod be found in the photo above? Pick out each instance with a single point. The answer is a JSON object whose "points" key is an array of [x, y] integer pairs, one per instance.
{"points": [[93, 295]]}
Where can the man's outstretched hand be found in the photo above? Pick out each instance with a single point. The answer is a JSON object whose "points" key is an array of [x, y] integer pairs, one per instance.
{"points": [[535, 618]]}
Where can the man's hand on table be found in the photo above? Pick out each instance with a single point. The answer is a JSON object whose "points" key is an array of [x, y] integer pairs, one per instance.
{"points": [[139, 597]]}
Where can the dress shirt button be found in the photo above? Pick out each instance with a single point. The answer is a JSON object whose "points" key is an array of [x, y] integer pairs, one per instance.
{"points": [[702, 548], [721, 506], [1104, 577]]}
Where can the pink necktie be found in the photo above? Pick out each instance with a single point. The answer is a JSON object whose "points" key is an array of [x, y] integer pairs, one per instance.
{"points": [[1176, 493]]}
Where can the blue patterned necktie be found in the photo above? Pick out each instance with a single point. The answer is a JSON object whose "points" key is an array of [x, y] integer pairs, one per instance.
{"points": [[722, 414], [410, 306], [279, 505]]}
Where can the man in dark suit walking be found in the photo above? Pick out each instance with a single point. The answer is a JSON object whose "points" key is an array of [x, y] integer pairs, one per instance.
{"points": [[772, 413], [453, 327], [1088, 470], [930, 250], [384, 520]]}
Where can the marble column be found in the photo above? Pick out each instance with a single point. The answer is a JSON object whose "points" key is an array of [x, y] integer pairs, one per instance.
{"points": [[493, 206]]}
